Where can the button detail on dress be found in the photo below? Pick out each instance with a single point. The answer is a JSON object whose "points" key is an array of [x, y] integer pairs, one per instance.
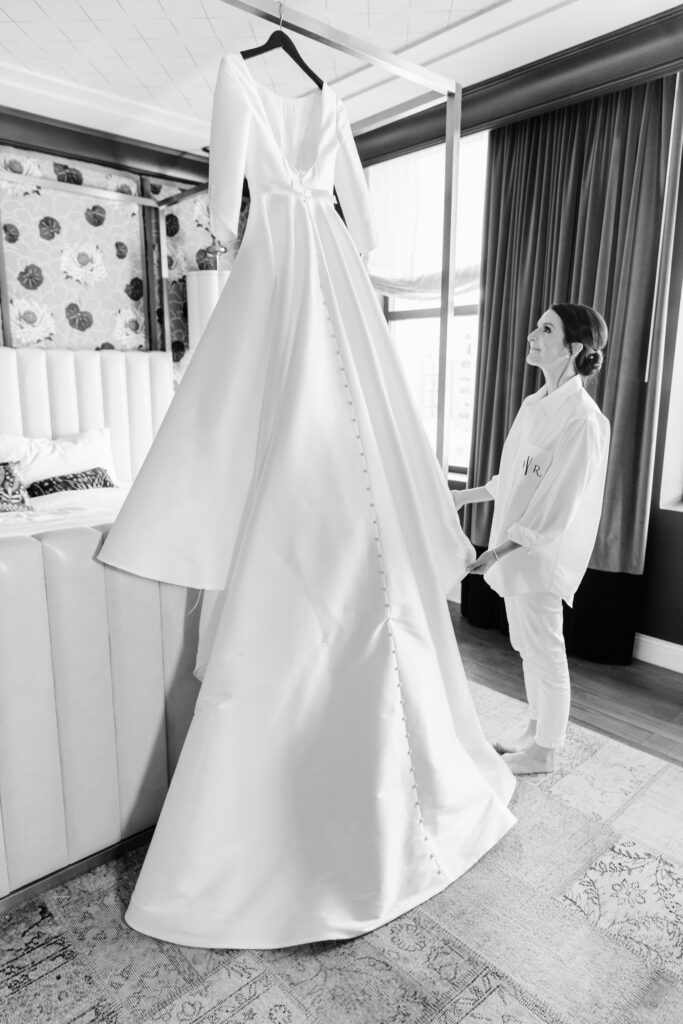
{"points": [[383, 585]]}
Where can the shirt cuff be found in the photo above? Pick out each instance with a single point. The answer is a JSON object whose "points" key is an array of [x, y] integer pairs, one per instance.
{"points": [[529, 539], [492, 485]]}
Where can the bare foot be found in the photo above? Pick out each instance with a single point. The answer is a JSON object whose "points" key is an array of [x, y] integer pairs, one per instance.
{"points": [[522, 742], [533, 761]]}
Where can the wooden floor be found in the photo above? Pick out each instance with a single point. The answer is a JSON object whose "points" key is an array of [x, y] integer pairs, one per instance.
{"points": [[639, 704]]}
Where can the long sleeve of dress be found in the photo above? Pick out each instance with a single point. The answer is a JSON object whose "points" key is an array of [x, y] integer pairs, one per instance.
{"points": [[558, 497], [230, 122], [352, 187]]}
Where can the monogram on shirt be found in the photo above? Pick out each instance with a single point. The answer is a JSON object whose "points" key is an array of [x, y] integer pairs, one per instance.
{"points": [[530, 467]]}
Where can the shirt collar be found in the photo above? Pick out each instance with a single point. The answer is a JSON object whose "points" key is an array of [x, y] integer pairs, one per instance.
{"points": [[548, 403]]}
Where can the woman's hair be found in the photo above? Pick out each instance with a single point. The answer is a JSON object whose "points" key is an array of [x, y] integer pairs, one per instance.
{"points": [[585, 325]]}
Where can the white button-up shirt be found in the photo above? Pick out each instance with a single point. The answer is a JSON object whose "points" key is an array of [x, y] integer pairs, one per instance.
{"points": [[548, 492]]}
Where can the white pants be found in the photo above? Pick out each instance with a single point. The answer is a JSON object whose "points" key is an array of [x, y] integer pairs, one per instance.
{"points": [[535, 622]]}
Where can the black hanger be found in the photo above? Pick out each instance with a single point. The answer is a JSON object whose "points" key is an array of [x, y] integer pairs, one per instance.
{"points": [[279, 38]]}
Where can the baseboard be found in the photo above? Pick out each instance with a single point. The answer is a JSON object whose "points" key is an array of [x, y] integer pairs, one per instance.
{"points": [[658, 652], [62, 875]]}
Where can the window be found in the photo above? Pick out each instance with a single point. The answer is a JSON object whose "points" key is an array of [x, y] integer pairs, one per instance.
{"points": [[407, 195]]}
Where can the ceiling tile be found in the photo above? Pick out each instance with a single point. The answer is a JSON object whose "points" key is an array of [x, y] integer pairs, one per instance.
{"points": [[143, 9], [111, 65], [387, 40], [439, 5], [203, 47], [150, 78], [385, 23], [337, 7], [396, 7], [426, 23], [69, 10], [79, 64], [25, 47], [10, 32], [119, 28], [185, 9], [193, 27], [24, 10], [177, 64], [232, 19], [62, 49], [156, 28], [355, 23], [81, 31], [169, 47], [10, 60], [143, 65], [101, 9], [99, 48], [49, 67], [131, 47], [313, 8], [94, 80]]}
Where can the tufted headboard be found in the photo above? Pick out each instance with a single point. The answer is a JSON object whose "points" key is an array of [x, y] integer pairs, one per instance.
{"points": [[53, 392]]}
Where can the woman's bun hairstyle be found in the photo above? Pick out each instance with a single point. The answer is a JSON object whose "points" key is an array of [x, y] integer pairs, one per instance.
{"points": [[585, 325], [588, 362]]}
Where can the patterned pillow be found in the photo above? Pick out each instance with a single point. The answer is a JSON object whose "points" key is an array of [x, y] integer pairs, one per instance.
{"points": [[13, 496], [83, 481]]}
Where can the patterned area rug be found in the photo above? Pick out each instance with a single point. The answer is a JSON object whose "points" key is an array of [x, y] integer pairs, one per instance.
{"points": [[576, 917]]}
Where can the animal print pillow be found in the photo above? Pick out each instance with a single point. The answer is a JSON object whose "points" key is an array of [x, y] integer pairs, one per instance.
{"points": [[13, 496], [83, 481]]}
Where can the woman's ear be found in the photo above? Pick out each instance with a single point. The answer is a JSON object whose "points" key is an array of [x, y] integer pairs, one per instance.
{"points": [[576, 348]]}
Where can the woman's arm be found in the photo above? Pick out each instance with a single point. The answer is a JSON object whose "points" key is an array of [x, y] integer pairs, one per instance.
{"points": [[490, 557], [471, 496]]}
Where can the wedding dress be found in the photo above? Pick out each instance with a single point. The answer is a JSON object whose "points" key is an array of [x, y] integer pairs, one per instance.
{"points": [[335, 773]]}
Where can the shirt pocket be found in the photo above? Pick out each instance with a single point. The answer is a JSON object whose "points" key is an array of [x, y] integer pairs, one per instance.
{"points": [[533, 462]]}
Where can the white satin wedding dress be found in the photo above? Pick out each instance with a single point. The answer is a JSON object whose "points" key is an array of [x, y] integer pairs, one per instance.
{"points": [[335, 773]]}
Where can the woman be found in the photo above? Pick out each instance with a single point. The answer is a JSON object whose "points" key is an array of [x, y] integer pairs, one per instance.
{"points": [[548, 499]]}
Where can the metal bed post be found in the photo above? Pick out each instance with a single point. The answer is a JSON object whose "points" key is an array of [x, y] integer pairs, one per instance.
{"points": [[446, 320]]}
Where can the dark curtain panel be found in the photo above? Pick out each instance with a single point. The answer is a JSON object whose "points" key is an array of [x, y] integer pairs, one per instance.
{"points": [[574, 214]]}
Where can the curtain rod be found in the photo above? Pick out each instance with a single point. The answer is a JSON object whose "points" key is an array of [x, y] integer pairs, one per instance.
{"points": [[321, 32]]}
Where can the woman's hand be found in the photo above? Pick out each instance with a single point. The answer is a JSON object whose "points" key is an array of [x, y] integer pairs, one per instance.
{"points": [[459, 499], [482, 564], [489, 558]]}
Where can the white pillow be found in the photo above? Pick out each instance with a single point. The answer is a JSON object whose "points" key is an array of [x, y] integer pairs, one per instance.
{"points": [[41, 457]]}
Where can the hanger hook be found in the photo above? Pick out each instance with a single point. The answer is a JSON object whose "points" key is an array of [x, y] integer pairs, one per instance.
{"points": [[282, 12]]}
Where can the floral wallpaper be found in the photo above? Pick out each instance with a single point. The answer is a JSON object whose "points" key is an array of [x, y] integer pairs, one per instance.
{"points": [[188, 239], [73, 263]]}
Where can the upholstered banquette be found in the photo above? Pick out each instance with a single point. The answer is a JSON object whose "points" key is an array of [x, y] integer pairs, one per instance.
{"points": [[96, 685]]}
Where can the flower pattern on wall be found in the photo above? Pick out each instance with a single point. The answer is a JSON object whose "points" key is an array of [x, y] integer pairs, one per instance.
{"points": [[32, 322], [30, 277], [73, 255], [75, 268], [188, 244], [79, 319], [49, 228], [96, 215], [129, 328], [83, 263]]}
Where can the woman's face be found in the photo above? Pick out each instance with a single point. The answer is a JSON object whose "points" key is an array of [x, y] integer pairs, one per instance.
{"points": [[547, 349]]}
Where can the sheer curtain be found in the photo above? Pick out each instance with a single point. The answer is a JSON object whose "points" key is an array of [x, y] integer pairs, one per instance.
{"points": [[574, 213], [407, 199]]}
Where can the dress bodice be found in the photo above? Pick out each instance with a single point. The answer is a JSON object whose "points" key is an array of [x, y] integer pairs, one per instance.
{"points": [[303, 144]]}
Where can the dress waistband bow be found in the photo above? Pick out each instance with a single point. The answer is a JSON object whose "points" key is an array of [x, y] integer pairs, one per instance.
{"points": [[295, 189]]}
